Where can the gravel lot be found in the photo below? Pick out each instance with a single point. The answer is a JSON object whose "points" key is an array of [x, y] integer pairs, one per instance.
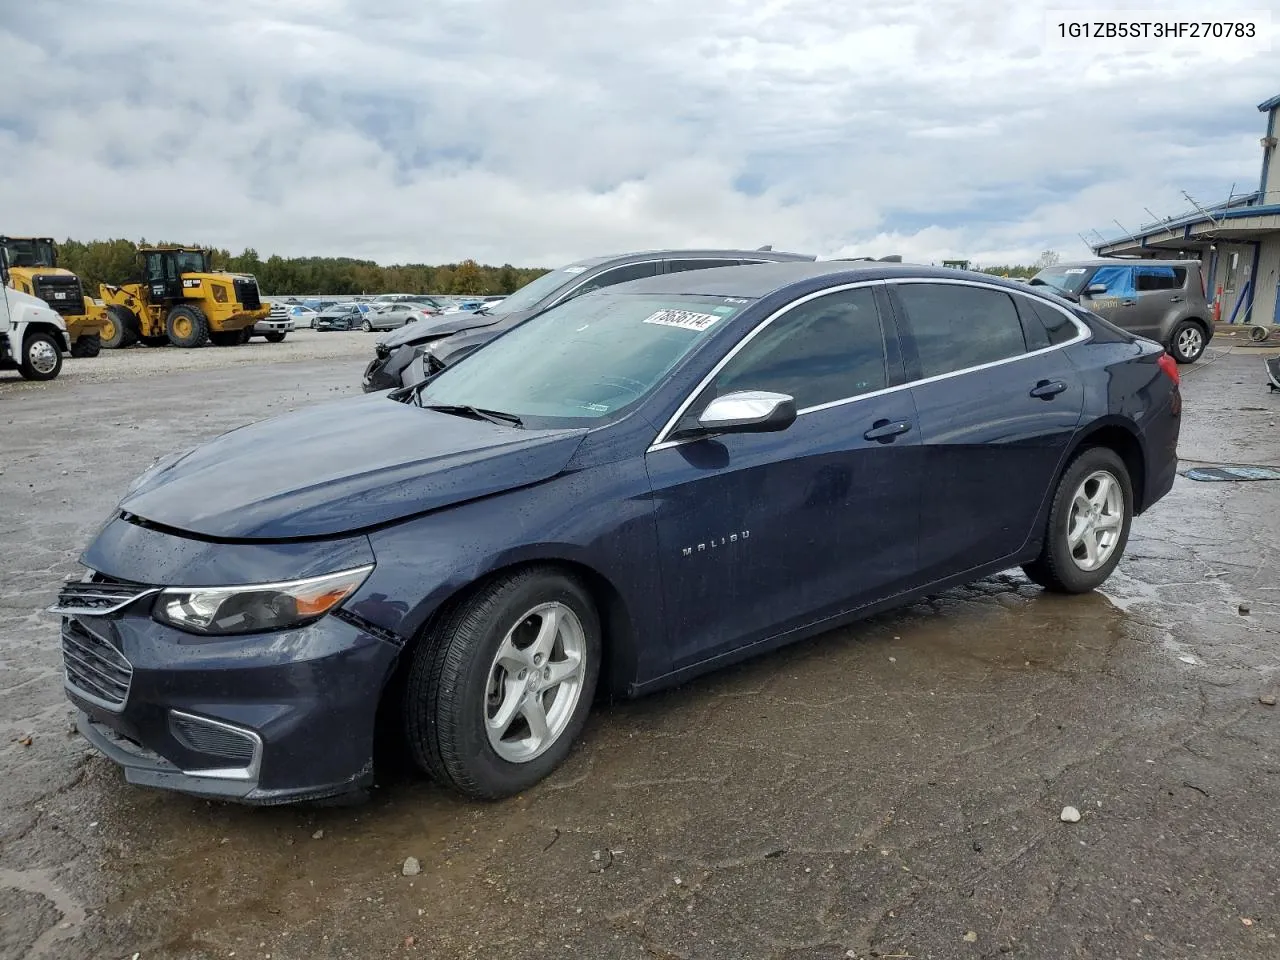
{"points": [[892, 789]]}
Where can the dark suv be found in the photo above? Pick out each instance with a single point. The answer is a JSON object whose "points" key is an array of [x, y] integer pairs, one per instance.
{"points": [[410, 353], [1162, 300]]}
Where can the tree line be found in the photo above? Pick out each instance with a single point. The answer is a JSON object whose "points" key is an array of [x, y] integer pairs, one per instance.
{"points": [[116, 262]]}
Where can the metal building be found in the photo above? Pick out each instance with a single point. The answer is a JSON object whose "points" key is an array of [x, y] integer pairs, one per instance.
{"points": [[1238, 241]]}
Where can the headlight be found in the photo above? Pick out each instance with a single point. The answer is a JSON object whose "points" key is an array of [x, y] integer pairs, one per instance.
{"points": [[255, 608], [219, 292]]}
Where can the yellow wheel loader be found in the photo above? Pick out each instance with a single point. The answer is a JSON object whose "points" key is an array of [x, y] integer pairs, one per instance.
{"points": [[183, 301], [33, 269]]}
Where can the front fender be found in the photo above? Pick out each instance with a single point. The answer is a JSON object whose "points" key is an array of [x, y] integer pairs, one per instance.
{"points": [[425, 562]]}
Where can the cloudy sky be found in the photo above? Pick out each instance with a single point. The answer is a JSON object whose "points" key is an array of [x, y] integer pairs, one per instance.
{"points": [[540, 132]]}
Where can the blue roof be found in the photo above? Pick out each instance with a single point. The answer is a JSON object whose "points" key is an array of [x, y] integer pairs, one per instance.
{"points": [[1216, 213], [1270, 104]]}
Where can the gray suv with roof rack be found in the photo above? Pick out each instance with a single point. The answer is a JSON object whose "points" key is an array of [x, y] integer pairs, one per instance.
{"points": [[409, 354], [1162, 300]]}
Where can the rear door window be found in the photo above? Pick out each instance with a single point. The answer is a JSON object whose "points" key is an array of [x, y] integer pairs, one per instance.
{"points": [[1042, 325], [956, 326], [677, 266], [1160, 278]]}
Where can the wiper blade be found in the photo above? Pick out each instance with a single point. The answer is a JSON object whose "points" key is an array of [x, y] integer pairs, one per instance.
{"points": [[465, 410]]}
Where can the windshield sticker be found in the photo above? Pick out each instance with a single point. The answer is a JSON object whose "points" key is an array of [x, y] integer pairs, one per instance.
{"points": [[683, 319], [1074, 270], [574, 270], [734, 300]]}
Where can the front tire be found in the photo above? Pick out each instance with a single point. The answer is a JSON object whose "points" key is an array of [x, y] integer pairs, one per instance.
{"points": [[275, 336], [225, 338], [118, 330], [187, 326], [1088, 524], [1187, 341], [88, 346], [41, 357], [502, 684]]}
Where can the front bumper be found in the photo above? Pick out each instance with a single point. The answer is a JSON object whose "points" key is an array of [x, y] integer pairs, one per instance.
{"points": [[260, 719], [273, 326], [387, 373]]}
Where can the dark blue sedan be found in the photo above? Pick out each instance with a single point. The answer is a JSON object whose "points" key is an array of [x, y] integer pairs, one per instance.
{"points": [[643, 484]]}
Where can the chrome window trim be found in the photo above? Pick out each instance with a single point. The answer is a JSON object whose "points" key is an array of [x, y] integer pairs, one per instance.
{"points": [[1082, 334], [250, 772]]}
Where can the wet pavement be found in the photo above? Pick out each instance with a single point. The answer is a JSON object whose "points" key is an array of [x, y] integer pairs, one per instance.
{"points": [[892, 789]]}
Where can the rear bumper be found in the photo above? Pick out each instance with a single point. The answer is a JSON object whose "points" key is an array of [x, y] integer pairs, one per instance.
{"points": [[1160, 442]]}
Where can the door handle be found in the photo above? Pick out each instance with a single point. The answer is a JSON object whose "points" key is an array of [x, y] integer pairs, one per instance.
{"points": [[1048, 389], [885, 430], [1128, 303], [1176, 299]]}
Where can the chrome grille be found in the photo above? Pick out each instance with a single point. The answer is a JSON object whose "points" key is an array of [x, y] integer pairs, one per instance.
{"points": [[95, 668], [97, 597], [214, 740]]}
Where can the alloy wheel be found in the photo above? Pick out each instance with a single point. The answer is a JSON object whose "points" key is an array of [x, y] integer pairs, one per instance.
{"points": [[1095, 520], [1190, 342], [535, 682]]}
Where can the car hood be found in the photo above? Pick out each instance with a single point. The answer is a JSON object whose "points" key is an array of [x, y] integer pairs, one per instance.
{"points": [[432, 328], [340, 467]]}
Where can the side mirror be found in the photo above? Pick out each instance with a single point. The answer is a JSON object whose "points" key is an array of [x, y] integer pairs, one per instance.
{"points": [[1095, 289], [748, 411]]}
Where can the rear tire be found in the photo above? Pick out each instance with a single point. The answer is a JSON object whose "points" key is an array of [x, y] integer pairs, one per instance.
{"points": [[41, 357], [275, 337], [366, 326], [119, 330], [88, 346], [187, 326], [1187, 342], [1093, 505], [459, 688]]}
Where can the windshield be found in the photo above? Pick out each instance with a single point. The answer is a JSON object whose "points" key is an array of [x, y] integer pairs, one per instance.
{"points": [[586, 360], [190, 261], [30, 253], [537, 290], [1064, 279]]}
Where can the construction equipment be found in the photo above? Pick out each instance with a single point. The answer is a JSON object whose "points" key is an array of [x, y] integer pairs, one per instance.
{"points": [[32, 336], [33, 269], [182, 300]]}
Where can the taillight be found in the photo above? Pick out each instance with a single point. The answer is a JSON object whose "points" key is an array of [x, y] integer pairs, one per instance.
{"points": [[1169, 366]]}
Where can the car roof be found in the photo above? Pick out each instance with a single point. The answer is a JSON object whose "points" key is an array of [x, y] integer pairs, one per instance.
{"points": [[1123, 261], [690, 254], [760, 280]]}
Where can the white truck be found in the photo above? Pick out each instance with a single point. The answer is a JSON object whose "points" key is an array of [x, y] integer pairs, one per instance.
{"points": [[33, 337]]}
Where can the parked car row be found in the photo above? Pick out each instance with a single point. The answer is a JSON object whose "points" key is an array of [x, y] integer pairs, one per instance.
{"points": [[642, 478]]}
